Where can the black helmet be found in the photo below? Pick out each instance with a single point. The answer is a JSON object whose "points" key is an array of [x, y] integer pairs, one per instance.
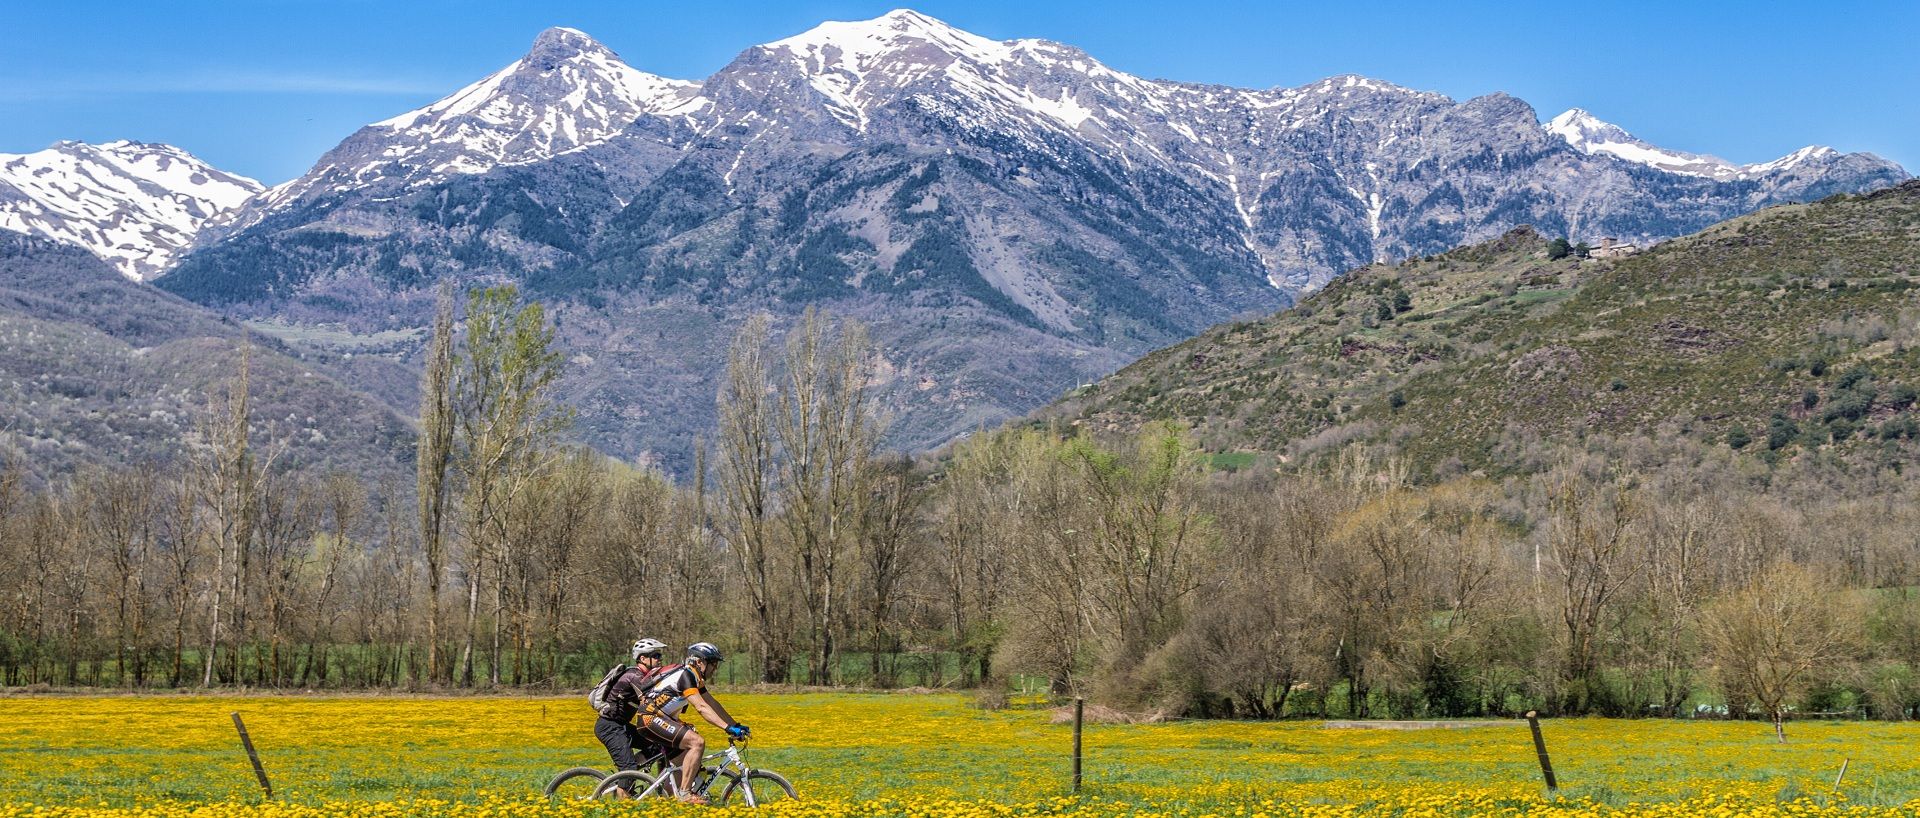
{"points": [[704, 650]]}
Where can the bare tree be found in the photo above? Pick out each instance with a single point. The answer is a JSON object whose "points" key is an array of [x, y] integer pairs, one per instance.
{"points": [[1591, 529], [1774, 637], [746, 482], [181, 542], [343, 503], [432, 458], [118, 517], [827, 431], [229, 474], [888, 547]]}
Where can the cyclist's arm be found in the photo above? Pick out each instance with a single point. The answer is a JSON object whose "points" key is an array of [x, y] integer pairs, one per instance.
{"points": [[711, 710]]}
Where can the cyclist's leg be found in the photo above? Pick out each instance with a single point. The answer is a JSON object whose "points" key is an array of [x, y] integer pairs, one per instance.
{"points": [[679, 735], [696, 746], [620, 738]]}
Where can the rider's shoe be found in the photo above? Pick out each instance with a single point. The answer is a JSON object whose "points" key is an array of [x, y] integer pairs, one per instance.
{"points": [[693, 798]]}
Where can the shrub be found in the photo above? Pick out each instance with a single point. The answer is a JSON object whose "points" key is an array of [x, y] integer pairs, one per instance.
{"points": [[1851, 404], [1738, 438], [1780, 431]]}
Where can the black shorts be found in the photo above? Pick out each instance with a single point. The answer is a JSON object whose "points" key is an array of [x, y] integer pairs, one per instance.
{"points": [[622, 741], [664, 729]]}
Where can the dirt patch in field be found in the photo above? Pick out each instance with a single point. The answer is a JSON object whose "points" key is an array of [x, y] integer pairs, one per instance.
{"points": [[1101, 714]]}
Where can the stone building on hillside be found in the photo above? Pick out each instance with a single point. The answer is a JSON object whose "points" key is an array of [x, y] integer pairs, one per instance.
{"points": [[1611, 247]]}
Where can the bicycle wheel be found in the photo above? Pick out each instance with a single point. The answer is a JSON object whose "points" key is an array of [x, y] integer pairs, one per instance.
{"points": [[760, 788], [575, 784], [633, 781]]}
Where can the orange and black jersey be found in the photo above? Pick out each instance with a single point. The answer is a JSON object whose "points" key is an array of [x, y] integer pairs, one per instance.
{"points": [[669, 693]]}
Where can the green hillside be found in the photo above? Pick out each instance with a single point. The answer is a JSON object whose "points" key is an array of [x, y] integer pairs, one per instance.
{"points": [[1787, 330]]}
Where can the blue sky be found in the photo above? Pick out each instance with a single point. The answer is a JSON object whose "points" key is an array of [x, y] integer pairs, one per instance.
{"points": [[264, 87]]}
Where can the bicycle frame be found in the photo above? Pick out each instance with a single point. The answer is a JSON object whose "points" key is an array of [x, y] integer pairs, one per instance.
{"points": [[735, 763]]}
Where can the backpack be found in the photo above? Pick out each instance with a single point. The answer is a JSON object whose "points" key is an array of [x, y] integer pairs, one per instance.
{"points": [[597, 697]]}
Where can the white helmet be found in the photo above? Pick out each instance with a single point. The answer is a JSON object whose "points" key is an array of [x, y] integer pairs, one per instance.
{"points": [[647, 646]]}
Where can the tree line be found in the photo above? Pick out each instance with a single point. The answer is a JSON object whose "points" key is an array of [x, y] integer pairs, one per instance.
{"points": [[1619, 577]]}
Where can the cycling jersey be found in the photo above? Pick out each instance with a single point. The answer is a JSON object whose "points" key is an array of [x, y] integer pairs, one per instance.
{"points": [[668, 694], [624, 696]]}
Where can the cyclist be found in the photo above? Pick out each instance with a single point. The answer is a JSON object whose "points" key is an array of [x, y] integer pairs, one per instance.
{"points": [[672, 692], [615, 726]]}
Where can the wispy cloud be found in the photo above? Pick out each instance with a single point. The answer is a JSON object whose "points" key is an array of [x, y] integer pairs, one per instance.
{"points": [[215, 82]]}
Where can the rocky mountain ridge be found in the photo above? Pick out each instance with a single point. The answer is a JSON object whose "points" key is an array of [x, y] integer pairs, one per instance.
{"points": [[1014, 217], [1387, 160]]}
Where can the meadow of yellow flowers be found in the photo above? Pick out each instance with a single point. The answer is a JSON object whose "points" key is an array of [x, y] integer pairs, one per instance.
{"points": [[927, 756]]}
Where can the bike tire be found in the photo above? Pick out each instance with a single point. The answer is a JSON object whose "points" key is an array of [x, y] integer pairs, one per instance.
{"points": [[575, 774], [633, 780], [767, 786]]}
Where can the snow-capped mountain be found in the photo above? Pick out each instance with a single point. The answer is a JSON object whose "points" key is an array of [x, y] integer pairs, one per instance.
{"points": [[137, 205], [1589, 134], [567, 93], [1014, 217]]}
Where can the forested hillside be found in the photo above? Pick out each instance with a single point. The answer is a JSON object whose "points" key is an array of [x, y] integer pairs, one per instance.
{"points": [[102, 371], [1786, 332]]}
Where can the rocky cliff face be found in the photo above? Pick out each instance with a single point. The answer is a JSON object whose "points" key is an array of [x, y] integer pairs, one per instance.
{"points": [[1014, 217]]}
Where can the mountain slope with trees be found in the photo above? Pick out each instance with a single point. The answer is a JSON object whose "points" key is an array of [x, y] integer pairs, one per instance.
{"points": [[1787, 330], [104, 371]]}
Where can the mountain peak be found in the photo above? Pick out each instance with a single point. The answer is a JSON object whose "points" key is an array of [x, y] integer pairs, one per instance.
{"points": [[559, 44], [1590, 134], [567, 92], [134, 204], [1579, 127], [851, 44]]}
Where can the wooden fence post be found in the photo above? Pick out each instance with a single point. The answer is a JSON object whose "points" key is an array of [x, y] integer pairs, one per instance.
{"points": [[1079, 714], [245, 741], [1540, 747]]}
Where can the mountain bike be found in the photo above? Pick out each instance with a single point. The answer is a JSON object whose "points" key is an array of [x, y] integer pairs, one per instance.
{"points": [[754, 787], [582, 783]]}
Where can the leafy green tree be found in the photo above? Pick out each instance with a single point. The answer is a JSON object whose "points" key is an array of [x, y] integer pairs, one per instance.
{"points": [[507, 416], [1558, 249]]}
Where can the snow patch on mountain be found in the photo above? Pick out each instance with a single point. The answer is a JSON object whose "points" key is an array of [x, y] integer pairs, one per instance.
{"points": [[1590, 135], [136, 205]]}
